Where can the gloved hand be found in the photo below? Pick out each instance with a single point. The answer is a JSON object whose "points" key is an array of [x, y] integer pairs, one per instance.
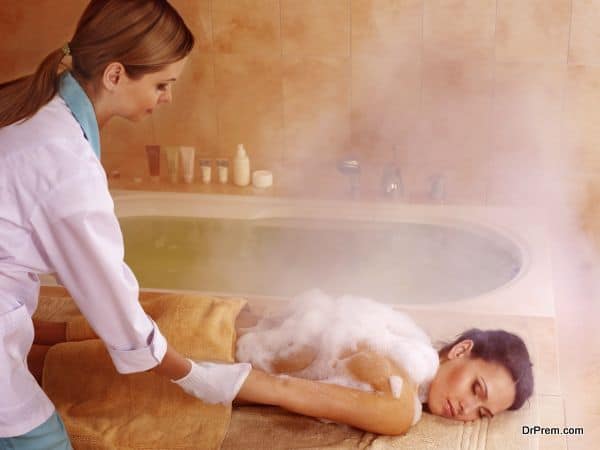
{"points": [[214, 382]]}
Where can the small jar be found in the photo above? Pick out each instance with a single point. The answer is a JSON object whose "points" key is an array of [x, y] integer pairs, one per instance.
{"points": [[206, 169], [223, 170]]}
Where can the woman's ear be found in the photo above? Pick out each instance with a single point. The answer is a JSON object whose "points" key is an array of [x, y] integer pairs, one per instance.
{"points": [[461, 349], [113, 75]]}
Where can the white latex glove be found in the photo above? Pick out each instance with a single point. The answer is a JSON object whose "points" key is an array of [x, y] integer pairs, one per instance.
{"points": [[214, 382]]}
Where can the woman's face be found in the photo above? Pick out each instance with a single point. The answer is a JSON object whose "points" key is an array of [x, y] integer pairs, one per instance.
{"points": [[138, 98], [466, 388]]}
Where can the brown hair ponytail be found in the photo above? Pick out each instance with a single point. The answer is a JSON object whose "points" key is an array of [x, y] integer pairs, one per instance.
{"points": [[21, 98], [143, 35]]}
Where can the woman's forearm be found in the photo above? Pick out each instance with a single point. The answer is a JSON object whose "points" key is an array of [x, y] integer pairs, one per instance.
{"points": [[173, 365], [369, 411]]}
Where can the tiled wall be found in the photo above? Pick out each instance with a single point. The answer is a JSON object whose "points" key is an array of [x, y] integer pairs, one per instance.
{"points": [[498, 96]]}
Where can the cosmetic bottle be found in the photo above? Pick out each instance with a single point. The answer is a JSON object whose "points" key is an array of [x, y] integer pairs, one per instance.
{"points": [[153, 155], [206, 169], [223, 170], [241, 167], [186, 154], [173, 163]]}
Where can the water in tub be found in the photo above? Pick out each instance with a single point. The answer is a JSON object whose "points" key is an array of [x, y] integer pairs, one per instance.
{"points": [[391, 262]]}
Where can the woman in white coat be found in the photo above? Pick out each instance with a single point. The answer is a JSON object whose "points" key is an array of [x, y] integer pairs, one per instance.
{"points": [[57, 215]]}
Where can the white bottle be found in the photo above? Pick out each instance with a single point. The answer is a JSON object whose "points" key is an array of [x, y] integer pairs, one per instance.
{"points": [[241, 167]]}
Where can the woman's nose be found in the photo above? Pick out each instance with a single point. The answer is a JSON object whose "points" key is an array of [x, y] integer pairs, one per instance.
{"points": [[468, 407]]}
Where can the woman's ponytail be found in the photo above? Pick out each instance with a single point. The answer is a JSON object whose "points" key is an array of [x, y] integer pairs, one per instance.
{"points": [[22, 98]]}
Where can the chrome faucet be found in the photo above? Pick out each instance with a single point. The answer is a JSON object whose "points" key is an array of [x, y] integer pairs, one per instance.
{"points": [[351, 168], [391, 180]]}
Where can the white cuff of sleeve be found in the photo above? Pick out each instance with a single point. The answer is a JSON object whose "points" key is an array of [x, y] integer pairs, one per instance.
{"points": [[140, 359]]}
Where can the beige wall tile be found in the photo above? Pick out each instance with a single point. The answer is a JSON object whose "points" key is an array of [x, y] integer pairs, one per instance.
{"points": [[123, 146], [316, 27], [387, 28], [386, 107], [459, 29], [527, 113], [456, 112], [49, 24], [196, 15], [582, 115], [590, 207], [313, 179], [522, 182], [249, 107], [54, 24], [191, 118], [316, 108], [584, 45], [247, 26], [446, 182], [9, 66], [532, 30]]}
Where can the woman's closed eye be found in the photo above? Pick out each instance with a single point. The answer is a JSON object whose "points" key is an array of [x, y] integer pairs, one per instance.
{"points": [[477, 389], [481, 392]]}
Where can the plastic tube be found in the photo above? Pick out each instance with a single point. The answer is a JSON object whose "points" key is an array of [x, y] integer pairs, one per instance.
{"points": [[173, 162], [187, 162], [153, 155]]}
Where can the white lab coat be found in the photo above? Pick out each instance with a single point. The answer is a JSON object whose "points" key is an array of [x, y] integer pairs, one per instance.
{"points": [[56, 215]]}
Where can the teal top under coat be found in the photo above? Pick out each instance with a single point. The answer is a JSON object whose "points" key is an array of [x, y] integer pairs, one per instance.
{"points": [[82, 109]]}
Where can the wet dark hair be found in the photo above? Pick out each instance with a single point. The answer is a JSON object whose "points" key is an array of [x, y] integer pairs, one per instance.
{"points": [[504, 348]]}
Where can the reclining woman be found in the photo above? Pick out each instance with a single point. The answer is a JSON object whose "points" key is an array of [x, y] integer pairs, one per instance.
{"points": [[353, 378]]}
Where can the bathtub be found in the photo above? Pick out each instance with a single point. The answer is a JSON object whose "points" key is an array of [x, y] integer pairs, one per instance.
{"points": [[454, 258]]}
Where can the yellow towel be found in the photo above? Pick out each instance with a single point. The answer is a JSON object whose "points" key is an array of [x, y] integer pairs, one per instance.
{"points": [[106, 410]]}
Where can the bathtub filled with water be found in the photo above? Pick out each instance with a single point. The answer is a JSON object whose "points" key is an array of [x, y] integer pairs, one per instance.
{"points": [[394, 262], [396, 253]]}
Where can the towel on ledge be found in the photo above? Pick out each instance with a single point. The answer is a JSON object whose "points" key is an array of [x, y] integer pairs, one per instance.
{"points": [[103, 409]]}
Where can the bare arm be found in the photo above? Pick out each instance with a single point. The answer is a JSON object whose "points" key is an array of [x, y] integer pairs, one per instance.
{"points": [[374, 412], [173, 365]]}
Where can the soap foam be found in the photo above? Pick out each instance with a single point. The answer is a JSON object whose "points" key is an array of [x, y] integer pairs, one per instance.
{"points": [[332, 326]]}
